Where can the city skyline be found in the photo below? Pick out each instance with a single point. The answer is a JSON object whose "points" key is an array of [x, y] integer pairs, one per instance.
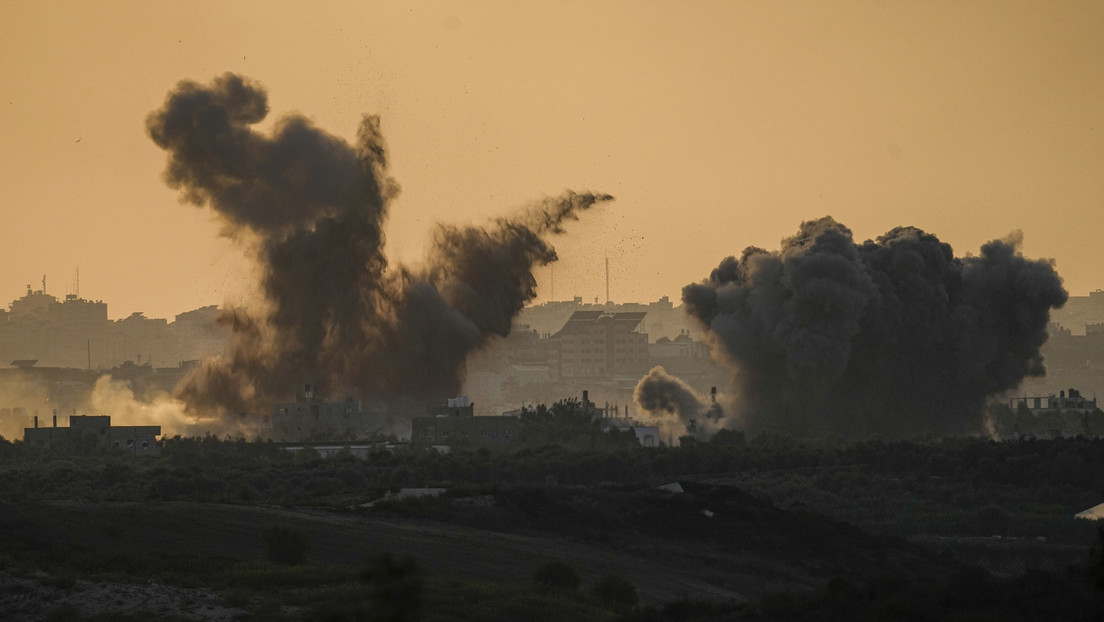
{"points": [[716, 127]]}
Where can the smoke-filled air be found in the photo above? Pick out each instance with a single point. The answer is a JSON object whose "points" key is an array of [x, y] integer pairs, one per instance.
{"points": [[895, 336], [310, 207], [673, 405]]}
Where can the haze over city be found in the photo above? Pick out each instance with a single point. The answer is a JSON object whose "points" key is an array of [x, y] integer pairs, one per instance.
{"points": [[710, 310], [716, 126]]}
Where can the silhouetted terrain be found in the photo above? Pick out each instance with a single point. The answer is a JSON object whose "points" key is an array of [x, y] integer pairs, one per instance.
{"points": [[222, 529]]}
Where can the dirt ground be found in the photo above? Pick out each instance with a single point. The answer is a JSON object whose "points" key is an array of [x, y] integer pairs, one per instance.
{"points": [[33, 598], [668, 548]]}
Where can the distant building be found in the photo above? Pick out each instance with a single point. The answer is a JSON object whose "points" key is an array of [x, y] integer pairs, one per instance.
{"points": [[312, 418], [455, 424], [95, 431], [1073, 402], [681, 347], [646, 435], [76, 333], [663, 319], [599, 345]]}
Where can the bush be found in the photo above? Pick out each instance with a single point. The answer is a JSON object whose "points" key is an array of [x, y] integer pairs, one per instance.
{"points": [[557, 576], [615, 591], [285, 545]]}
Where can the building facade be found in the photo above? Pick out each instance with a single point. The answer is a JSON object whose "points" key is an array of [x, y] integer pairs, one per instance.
{"points": [[599, 345], [311, 418], [1070, 401], [455, 425], [95, 432]]}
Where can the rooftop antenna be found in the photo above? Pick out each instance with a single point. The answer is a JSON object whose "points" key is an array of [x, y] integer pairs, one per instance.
{"points": [[43, 283], [607, 279]]}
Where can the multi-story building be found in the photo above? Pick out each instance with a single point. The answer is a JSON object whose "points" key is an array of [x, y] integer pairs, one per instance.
{"points": [[663, 318], [596, 345], [76, 333]]}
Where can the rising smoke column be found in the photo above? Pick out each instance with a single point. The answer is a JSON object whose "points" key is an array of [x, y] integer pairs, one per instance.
{"points": [[895, 336], [674, 406], [311, 207]]}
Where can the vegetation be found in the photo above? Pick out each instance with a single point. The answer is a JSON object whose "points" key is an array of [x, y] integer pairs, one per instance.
{"points": [[954, 496]]}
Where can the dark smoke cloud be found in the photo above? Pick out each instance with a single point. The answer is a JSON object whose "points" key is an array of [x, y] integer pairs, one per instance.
{"points": [[311, 207], [674, 406], [895, 336]]}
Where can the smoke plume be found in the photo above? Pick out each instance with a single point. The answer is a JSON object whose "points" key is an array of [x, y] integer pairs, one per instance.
{"points": [[156, 407], [674, 406], [895, 336], [311, 208]]}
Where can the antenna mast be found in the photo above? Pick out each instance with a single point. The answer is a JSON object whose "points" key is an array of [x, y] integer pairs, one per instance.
{"points": [[607, 279]]}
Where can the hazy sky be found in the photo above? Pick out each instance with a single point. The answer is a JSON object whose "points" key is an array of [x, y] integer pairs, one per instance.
{"points": [[717, 125]]}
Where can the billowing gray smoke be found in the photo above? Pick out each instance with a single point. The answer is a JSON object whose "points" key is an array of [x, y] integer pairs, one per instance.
{"points": [[311, 208], [674, 406], [895, 336]]}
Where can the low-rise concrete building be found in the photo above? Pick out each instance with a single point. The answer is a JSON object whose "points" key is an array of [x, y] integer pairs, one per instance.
{"points": [[1073, 402], [311, 418], [646, 435], [95, 431], [455, 424]]}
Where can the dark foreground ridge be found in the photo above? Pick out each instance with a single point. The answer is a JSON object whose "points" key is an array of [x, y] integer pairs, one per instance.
{"points": [[214, 530]]}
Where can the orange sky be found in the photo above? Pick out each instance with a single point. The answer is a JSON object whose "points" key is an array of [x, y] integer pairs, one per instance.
{"points": [[717, 125]]}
